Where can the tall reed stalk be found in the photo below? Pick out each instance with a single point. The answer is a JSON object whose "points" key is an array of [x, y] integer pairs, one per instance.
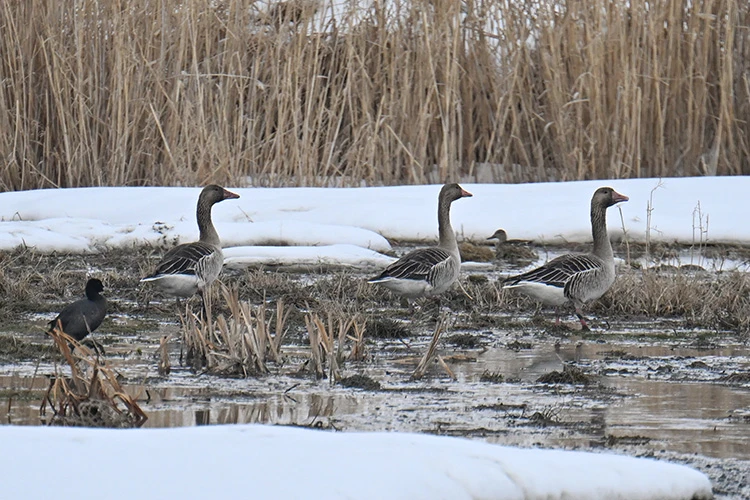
{"points": [[100, 92]]}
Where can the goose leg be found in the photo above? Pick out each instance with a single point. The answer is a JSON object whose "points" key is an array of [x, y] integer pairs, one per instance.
{"points": [[203, 315], [582, 319], [438, 306], [206, 302]]}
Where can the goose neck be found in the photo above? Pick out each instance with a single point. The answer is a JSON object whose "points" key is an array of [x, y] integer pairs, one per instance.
{"points": [[602, 245], [445, 230], [206, 227]]}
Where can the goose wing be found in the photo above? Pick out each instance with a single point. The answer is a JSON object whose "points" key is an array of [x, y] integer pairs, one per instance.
{"points": [[419, 264], [184, 259], [558, 272]]}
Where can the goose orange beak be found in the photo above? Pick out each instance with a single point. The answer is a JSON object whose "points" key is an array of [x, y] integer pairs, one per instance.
{"points": [[465, 193], [228, 195], [617, 197]]}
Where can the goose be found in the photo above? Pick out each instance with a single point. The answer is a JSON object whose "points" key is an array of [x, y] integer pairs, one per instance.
{"points": [[85, 315], [427, 272], [512, 250], [576, 278], [190, 268], [502, 237]]}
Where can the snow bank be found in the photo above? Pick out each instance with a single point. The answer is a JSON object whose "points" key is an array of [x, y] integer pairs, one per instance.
{"points": [[259, 462], [684, 210]]}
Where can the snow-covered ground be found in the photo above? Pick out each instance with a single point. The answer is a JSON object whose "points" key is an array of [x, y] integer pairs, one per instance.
{"points": [[256, 461], [349, 225]]}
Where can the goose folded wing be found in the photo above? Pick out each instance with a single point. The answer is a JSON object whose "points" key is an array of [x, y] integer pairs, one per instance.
{"points": [[183, 259], [417, 265], [587, 269], [559, 271]]}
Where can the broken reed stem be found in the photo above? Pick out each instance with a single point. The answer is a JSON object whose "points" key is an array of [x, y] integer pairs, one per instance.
{"points": [[282, 315], [358, 352], [314, 335], [164, 367], [625, 236], [430, 352], [97, 400]]}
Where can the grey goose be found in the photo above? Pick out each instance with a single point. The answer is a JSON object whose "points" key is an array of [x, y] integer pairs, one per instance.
{"points": [[85, 315], [576, 278], [427, 272], [512, 250], [189, 268]]}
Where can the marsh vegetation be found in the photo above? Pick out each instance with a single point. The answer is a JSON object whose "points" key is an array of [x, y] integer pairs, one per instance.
{"points": [[309, 93], [328, 350]]}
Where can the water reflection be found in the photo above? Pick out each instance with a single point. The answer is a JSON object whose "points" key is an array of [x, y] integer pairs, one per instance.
{"points": [[678, 415]]}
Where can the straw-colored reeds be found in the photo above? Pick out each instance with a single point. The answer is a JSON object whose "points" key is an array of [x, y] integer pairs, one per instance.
{"points": [[329, 339], [155, 92], [240, 343], [92, 395]]}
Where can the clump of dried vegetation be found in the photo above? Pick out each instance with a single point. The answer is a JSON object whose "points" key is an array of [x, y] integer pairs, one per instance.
{"points": [[491, 377], [238, 344], [569, 375], [91, 396], [387, 92], [708, 300], [329, 339], [246, 337]]}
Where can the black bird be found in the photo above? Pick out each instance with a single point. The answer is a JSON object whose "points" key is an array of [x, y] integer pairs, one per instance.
{"points": [[85, 315]]}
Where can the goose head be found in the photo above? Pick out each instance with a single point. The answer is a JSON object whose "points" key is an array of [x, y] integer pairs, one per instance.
{"points": [[93, 288], [605, 197], [452, 192], [214, 194], [499, 235]]}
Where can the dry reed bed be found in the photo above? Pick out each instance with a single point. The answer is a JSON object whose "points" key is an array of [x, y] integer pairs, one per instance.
{"points": [[242, 341], [706, 300], [95, 93]]}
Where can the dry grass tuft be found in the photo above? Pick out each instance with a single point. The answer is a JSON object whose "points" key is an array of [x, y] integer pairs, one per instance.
{"points": [[360, 382], [492, 377], [385, 93], [568, 375], [328, 342], [91, 396], [241, 343], [719, 301]]}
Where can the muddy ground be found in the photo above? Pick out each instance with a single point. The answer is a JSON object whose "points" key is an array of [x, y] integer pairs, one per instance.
{"points": [[668, 387]]}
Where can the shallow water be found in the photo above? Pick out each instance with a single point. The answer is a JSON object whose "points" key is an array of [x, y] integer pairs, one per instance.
{"points": [[658, 395]]}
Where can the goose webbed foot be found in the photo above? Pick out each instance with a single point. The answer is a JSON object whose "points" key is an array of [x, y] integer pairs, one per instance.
{"points": [[584, 322]]}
